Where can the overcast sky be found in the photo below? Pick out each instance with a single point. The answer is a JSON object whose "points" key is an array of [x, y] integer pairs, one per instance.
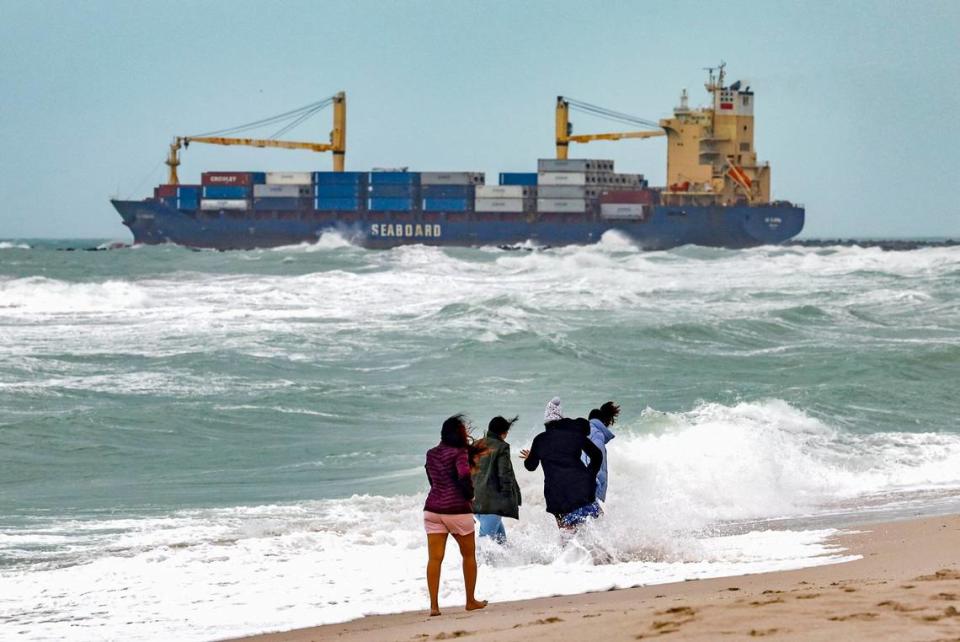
{"points": [[856, 102]]}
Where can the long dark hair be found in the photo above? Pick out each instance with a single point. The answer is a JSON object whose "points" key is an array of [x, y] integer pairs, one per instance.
{"points": [[455, 432], [609, 413]]}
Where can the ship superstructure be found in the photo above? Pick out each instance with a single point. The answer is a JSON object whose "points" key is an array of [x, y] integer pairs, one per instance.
{"points": [[711, 156]]}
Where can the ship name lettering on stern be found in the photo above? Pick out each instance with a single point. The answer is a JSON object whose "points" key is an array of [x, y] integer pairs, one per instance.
{"points": [[405, 230]]}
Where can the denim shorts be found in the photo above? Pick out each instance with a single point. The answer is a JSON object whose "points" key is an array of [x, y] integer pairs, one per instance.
{"points": [[579, 515]]}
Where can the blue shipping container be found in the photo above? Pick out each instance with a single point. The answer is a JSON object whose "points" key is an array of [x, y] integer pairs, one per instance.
{"points": [[344, 204], [340, 178], [394, 178], [226, 191], [390, 204], [518, 178], [393, 191], [258, 177], [188, 203], [189, 191], [447, 191], [284, 203], [447, 205], [338, 191]]}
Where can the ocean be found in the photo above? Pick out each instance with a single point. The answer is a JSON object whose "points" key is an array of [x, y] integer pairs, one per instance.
{"points": [[195, 445]]}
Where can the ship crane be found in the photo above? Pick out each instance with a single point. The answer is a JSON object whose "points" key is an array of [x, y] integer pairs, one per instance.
{"points": [[337, 144], [565, 134]]}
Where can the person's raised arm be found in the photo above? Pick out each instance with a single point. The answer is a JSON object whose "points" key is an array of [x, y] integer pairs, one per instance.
{"points": [[532, 459]]}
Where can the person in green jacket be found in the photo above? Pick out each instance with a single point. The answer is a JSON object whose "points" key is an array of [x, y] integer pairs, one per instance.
{"points": [[496, 493]]}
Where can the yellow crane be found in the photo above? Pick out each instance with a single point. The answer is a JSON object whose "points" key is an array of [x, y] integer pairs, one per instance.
{"points": [[565, 134], [337, 144]]}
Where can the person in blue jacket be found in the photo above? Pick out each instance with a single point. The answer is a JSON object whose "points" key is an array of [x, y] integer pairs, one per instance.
{"points": [[600, 434]]}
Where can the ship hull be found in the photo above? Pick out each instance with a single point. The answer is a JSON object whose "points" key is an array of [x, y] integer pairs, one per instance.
{"points": [[152, 222]]}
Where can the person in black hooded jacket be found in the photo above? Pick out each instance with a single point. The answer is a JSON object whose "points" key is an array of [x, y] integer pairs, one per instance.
{"points": [[569, 487]]}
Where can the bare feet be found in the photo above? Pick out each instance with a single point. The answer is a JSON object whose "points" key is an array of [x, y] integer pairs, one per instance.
{"points": [[476, 605], [434, 612]]}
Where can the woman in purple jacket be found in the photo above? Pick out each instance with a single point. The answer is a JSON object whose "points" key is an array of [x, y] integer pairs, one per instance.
{"points": [[448, 509]]}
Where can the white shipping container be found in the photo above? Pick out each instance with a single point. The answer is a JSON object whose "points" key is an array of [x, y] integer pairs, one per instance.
{"points": [[613, 180], [622, 210], [289, 178], [504, 191], [223, 204], [561, 205], [277, 191], [561, 178], [498, 204], [452, 178], [563, 191], [574, 165]]}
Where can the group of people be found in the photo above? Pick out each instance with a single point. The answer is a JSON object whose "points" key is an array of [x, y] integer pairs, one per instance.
{"points": [[472, 483]]}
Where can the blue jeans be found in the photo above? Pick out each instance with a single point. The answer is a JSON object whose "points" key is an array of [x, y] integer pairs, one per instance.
{"points": [[492, 526]]}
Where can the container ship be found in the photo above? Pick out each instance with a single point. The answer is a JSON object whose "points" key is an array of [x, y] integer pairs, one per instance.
{"points": [[717, 192]]}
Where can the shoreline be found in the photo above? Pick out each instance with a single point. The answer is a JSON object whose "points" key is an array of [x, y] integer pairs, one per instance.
{"points": [[906, 585]]}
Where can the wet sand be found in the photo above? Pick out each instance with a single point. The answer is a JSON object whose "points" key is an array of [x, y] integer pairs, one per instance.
{"points": [[905, 587]]}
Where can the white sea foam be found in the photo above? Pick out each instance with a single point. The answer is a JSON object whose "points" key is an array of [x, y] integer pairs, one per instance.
{"points": [[327, 241], [39, 295], [690, 495], [8, 245]]}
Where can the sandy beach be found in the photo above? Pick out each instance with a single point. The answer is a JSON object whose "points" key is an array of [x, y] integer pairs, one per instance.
{"points": [[906, 586]]}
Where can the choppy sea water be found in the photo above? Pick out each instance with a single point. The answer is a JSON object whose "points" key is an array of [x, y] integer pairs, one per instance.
{"points": [[198, 444]]}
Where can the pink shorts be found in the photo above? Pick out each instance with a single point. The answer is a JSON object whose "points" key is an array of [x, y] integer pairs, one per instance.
{"points": [[435, 523]]}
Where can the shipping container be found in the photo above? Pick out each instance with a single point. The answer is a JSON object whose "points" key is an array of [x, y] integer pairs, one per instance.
{"points": [[632, 211], [340, 178], [165, 191], [223, 204], [333, 204], [339, 191], [447, 191], [505, 191], [447, 204], [615, 180], [645, 197], [561, 205], [289, 178], [501, 205], [394, 178], [574, 165], [232, 178], [451, 178], [188, 203], [393, 191], [281, 203], [391, 204], [561, 178], [563, 191], [277, 191], [518, 178], [226, 191], [189, 191]]}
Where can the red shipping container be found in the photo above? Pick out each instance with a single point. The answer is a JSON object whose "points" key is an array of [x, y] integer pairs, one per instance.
{"points": [[643, 197], [226, 178], [165, 191]]}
